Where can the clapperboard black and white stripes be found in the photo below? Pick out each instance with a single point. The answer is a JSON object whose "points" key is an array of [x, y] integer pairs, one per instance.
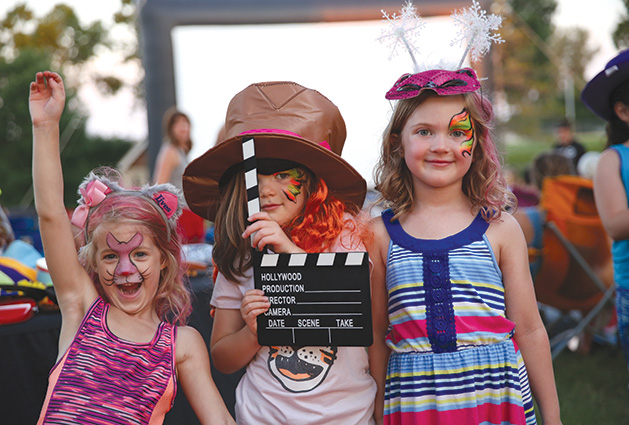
{"points": [[318, 299], [251, 176]]}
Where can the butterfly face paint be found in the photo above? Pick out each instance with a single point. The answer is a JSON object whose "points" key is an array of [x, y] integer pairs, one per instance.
{"points": [[126, 271], [463, 123], [295, 178]]}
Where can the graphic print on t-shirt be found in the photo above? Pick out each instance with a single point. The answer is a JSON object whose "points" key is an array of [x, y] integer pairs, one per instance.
{"points": [[301, 369]]}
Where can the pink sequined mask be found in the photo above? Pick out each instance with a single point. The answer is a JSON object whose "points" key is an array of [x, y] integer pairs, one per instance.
{"points": [[441, 81]]}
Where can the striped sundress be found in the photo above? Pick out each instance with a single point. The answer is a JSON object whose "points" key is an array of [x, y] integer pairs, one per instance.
{"points": [[103, 379], [453, 359]]}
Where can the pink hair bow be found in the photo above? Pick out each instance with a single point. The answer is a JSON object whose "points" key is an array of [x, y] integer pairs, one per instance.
{"points": [[93, 194]]}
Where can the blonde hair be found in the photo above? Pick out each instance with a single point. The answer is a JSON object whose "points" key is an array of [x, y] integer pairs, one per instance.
{"points": [[484, 183]]}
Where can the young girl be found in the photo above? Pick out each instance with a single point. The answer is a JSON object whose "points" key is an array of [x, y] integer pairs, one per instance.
{"points": [[309, 197], [451, 269], [607, 95], [122, 344]]}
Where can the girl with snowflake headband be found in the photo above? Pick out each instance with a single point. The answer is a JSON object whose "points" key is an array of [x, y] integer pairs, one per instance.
{"points": [[454, 310]]}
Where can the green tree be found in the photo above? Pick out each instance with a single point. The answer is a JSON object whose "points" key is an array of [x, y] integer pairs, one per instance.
{"points": [[621, 33], [526, 69], [537, 64], [57, 41]]}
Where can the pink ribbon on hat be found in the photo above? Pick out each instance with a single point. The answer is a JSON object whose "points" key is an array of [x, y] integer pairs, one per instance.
{"points": [[93, 194], [326, 145]]}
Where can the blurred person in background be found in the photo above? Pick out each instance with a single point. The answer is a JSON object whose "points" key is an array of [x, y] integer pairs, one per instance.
{"points": [[172, 160]]}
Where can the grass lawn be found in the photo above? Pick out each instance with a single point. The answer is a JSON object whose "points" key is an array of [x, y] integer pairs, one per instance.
{"points": [[593, 388]]}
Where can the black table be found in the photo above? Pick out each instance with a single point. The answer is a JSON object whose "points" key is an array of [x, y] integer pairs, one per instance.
{"points": [[28, 351]]}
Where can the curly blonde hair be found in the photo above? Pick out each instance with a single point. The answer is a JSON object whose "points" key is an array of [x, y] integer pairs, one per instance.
{"points": [[484, 183]]}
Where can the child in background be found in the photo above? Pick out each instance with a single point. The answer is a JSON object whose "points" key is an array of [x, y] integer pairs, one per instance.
{"points": [[607, 95], [123, 343], [309, 198], [452, 293]]}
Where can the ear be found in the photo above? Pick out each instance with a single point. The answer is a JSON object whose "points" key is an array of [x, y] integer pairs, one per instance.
{"points": [[622, 111]]}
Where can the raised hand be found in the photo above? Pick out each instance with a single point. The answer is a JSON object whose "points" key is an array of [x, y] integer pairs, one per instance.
{"points": [[46, 99]]}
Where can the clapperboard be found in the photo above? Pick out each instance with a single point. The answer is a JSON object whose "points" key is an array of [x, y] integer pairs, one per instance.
{"points": [[319, 299]]}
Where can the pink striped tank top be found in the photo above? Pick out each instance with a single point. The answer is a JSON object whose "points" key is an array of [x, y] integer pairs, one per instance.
{"points": [[103, 379]]}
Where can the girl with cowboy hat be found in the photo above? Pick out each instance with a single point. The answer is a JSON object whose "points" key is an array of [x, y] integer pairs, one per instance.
{"points": [[309, 200], [607, 95]]}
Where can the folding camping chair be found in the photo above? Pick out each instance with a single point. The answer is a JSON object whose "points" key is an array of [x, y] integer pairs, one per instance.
{"points": [[576, 270]]}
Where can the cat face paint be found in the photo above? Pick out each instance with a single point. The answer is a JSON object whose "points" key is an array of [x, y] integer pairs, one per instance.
{"points": [[294, 180], [463, 123], [126, 271]]}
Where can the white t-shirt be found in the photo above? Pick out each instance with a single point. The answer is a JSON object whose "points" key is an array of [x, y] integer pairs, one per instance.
{"points": [[339, 389]]}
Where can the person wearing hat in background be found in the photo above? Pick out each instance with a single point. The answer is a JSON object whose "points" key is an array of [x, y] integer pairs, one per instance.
{"points": [[567, 145], [310, 200], [607, 95]]}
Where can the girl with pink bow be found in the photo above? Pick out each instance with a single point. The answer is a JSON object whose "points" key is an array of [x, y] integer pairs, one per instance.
{"points": [[123, 343]]}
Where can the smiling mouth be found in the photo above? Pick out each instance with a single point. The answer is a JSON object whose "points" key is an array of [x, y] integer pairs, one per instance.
{"points": [[129, 288]]}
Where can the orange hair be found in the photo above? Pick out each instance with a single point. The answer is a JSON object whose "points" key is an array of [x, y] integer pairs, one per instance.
{"points": [[323, 220]]}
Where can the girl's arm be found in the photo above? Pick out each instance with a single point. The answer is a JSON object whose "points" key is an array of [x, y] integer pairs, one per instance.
{"points": [[195, 377], [235, 332], [379, 352], [73, 287], [610, 196], [521, 304]]}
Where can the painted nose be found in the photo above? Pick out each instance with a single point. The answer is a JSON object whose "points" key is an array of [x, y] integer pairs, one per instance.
{"points": [[126, 267]]}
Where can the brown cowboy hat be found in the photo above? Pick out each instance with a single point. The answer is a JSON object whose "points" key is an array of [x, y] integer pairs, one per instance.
{"points": [[288, 122]]}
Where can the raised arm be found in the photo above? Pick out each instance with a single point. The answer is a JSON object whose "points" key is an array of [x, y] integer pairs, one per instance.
{"points": [[72, 285], [611, 197]]}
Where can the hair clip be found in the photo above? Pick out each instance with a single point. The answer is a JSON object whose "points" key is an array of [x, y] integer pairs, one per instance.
{"points": [[92, 195]]}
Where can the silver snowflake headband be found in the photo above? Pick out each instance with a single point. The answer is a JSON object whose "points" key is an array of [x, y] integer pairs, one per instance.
{"points": [[476, 28]]}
